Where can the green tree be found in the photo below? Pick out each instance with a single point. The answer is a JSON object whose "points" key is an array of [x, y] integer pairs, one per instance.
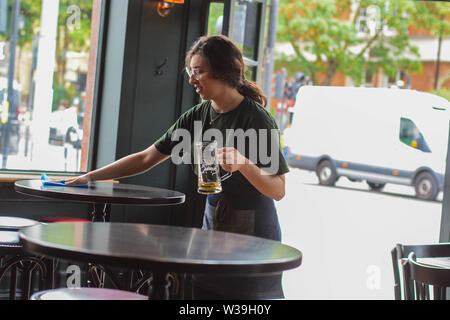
{"points": [[215, 12], [30, 11], [435, 19], [74, 32], [74, 28], [328, 36]]}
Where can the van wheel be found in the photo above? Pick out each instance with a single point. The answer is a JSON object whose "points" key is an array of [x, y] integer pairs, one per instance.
{"points": [[426, 186], [376, 186], [326, 173]]}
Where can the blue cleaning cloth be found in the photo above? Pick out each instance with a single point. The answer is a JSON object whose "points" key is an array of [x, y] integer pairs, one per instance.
{"points": [[46, 182]]}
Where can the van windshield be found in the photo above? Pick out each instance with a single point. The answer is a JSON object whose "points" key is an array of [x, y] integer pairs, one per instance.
{"points": [[411, 135]]}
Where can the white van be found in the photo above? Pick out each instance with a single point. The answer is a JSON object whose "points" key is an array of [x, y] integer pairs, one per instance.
{"points": [[379, 135]]}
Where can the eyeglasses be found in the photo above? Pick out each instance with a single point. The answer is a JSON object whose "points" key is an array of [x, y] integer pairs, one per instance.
{"points": [[193, 73]]}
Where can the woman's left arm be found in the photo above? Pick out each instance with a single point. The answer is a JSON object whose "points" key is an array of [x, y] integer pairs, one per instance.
{"points": [[272, 186]]}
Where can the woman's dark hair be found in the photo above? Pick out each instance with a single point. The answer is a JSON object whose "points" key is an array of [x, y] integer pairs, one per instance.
{"points": [[226, 63]]}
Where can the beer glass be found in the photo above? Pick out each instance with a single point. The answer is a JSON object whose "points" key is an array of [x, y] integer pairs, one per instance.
{"points": [[209, 179]]}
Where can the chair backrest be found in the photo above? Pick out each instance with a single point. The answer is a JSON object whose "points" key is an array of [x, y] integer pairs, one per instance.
{"points": [[400, 254], [424, 277]]}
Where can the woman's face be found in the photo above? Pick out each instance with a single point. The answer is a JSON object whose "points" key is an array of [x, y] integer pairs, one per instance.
{"points": [[201, 78]]}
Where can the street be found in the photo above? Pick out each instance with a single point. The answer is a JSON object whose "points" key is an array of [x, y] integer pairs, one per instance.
{"points": [[346, 234], [50, 158]]}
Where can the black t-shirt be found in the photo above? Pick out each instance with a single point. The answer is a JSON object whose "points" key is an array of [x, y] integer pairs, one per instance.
{"points": [[250, 128]]}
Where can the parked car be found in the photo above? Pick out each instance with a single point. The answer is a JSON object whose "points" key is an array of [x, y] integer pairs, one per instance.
{"points": [[64, 128]]}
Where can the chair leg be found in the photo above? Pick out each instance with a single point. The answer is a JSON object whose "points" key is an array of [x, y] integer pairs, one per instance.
{"points": [[159, 287], [26, 281], [50, 280], [99, 274], [142, 283], [13, 283]]}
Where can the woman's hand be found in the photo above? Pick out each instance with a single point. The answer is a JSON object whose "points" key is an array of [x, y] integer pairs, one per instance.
{"points": [[230, 159], [84, 179], [272, 186]]}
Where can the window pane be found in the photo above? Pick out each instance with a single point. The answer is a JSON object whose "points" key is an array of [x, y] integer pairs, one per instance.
{"points": [[215, 18], [244, 30], [348, 137], [246, 25], [250, 73], [411, 136], [46, 72]]}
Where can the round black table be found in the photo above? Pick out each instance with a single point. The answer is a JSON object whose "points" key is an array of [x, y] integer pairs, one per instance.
{"points": [[101, 194], [161, 249]]}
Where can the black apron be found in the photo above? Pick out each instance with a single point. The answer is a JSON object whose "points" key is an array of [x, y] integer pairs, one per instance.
{"points": [[254, 215]]}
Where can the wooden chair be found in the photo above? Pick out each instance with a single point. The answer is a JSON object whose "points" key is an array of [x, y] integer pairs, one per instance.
{"points": [[13, 260], [424, 278], [400, 255]]}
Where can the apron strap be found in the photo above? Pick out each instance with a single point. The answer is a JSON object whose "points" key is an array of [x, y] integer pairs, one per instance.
{"points": [[223, 215]]}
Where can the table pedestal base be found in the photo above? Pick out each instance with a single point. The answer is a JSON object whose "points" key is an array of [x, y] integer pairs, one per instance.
{"points": [[100, 212], [159, 287]]}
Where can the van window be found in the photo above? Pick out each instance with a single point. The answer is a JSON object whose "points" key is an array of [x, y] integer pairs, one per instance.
{"points": [[411, 136]]}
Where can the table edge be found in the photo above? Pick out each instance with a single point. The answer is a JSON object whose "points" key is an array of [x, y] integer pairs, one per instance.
{"points": [[99, 199], [36, 247]]}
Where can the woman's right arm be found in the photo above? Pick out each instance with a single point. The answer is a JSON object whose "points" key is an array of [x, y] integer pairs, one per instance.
{"points": [[128, 166]]}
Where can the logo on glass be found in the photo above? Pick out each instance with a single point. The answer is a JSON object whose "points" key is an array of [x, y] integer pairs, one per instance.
{"points": [[209, 179]]}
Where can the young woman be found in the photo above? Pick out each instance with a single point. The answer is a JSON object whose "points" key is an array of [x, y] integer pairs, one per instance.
{"points": [[216, 68]]}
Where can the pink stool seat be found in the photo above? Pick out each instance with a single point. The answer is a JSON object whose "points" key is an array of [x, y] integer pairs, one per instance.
{"points": [[63, 219], [87, 294]]}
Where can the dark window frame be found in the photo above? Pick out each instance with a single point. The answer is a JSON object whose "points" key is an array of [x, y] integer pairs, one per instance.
{"points": [[227, 26]]}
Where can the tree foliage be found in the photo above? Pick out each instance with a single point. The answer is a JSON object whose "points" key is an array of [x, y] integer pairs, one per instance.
{"points": [[330, 36], [74, 27], [434, 17]]}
